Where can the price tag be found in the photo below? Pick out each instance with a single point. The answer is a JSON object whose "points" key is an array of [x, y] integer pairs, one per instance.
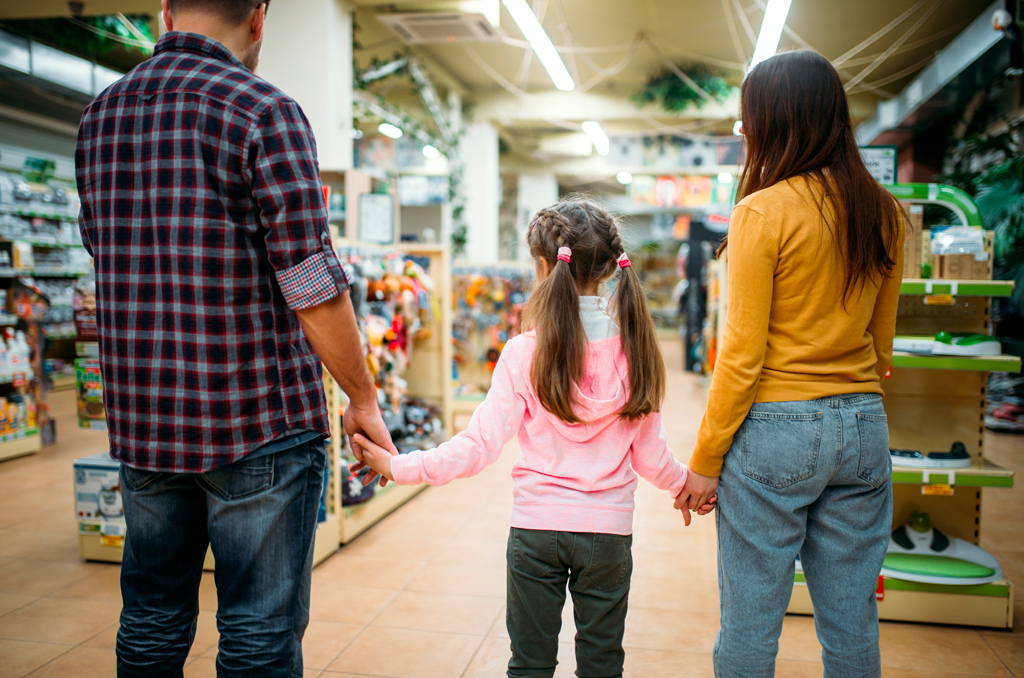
{"points": [[111, 540], [937, 490], [880, 589], [940, 300], [19, 379]]}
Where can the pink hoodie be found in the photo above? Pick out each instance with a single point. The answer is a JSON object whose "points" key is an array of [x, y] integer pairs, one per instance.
{"points": [[569, 477]]}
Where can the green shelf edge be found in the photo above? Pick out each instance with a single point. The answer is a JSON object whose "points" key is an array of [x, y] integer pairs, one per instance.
{"points": [[952, 362], [983, 288], [989, 590], [962, 479]]}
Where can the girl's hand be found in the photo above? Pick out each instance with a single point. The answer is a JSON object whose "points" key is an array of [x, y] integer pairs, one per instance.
{"points": [[702, 511], [374, 456]]}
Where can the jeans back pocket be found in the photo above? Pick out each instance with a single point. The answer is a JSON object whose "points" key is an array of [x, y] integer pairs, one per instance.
{"points": [[779, 449], [875, 466], [242, 479], [611, 561]]}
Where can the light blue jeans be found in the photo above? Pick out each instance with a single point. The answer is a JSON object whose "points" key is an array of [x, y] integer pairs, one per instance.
{"points": [[810, 478]]}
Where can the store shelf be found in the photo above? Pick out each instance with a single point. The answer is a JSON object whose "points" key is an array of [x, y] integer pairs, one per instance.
{"points": [[93, 424], [19, 444], [971, 288], [987, 475], [989, 605], [44, 242], [63, 383], [357, 519], [42, 214], [41, 273], [993, 363]]}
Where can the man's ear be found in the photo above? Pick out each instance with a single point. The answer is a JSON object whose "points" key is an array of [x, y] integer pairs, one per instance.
{"points": [[258, 21], [165, 13]]}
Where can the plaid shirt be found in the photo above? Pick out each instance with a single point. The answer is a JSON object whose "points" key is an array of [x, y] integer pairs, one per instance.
{"points": [[202, 205]]}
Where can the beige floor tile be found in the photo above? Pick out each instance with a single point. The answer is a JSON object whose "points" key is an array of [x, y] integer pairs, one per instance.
{"points": [[443, 613], [53, 620], [461, 579], [49, 521], [917, 647], [12, 601], [347, 603], [665, 664], [1009, 648], [673, 593], [402, 653], [102, 583], [208, 593], [79, 662], [371, 571], [381, 543], [201, 667], [473, 552], [40, 578], [799, 640], [491, 660], [106, 638], [19, 657], [795, 669], [671, 630], [207, 636], [324, 641], [13, 516], [22, 543]]}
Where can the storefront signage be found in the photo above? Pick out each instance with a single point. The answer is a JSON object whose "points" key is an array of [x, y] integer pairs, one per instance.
{"points": [[881, 162]]}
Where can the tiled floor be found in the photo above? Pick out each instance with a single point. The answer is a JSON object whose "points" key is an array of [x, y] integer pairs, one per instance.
{"points": [[421, 595]]}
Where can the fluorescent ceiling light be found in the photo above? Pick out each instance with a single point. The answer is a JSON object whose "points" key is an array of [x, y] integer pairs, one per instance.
{"points": [[431, 152], [725, 177], [624, 178], [775, 14], [597, 136], [541, 43], [389, 130], [737, 128]]}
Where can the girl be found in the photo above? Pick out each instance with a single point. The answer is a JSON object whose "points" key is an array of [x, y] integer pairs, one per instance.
{"points": [[582, 391], [795, 424]]}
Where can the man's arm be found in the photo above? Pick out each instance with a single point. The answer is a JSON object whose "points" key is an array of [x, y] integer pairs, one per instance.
{"points": [[331, 329]]}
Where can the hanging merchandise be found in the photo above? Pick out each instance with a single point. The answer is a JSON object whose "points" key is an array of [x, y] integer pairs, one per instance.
{"points": [[956, 457], [488, 305], [920, 552]]}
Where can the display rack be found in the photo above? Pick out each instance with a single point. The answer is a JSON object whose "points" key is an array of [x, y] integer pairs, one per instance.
{"points": [[929, 407]]}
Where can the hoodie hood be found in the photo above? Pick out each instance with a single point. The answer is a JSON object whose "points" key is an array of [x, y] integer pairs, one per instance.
{"points": [[602, 392]]}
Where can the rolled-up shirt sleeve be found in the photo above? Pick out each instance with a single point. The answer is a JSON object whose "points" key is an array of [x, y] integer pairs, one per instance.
{"points": [[287, 190]]}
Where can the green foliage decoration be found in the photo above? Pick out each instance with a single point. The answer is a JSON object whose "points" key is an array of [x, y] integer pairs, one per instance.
{"points": [[668, 89]]}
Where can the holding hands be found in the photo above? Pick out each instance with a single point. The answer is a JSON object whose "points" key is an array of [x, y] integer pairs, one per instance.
{"points": [[374, 457], [700, 494]]}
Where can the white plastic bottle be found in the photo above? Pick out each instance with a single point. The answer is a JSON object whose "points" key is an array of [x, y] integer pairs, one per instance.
{"points": [[26, 353]]}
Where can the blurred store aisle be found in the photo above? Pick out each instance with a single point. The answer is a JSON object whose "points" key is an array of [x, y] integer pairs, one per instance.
{"points": [[421, 595]]}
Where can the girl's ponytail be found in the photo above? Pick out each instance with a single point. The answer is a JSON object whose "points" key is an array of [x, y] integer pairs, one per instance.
{"points": [[639, 340], [554, 311]]}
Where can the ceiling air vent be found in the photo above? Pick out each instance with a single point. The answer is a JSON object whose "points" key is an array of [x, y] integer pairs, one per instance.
{"points": [[427, 28]]}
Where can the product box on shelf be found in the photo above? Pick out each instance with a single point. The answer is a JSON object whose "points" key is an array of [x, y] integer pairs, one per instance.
{"points": [[962, 266], [89, 387], [98, 506]]}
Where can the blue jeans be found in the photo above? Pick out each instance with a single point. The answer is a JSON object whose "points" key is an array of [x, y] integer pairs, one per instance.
{"points": [[811, 478], [259, 516]]}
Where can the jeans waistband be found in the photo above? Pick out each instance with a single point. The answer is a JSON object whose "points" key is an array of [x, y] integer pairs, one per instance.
{"points": [[847, 399]]}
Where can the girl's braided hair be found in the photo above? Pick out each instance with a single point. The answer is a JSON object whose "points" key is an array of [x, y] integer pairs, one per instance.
{"points": [[592, 233]]}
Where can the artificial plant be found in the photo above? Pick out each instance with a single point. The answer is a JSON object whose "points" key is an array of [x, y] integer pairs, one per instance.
{"points": [[675, 95]]}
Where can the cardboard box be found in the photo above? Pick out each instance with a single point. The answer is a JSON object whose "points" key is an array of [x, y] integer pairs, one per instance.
{"points": [[912, 244], [98, 506], [962, 267], [89, 388]]}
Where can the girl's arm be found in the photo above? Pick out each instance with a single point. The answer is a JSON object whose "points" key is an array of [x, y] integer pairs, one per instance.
{"points": [[652, 460], [753, 255], [494, 423]]}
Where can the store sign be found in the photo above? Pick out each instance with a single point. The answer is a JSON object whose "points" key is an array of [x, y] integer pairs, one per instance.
{"points": [[881, 162], [669, 151], [418, 190], [671, 191]]}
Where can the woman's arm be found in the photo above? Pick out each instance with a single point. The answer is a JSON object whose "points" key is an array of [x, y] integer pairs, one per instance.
{"points": [[753, 254], [883, 319], [494, 423]]}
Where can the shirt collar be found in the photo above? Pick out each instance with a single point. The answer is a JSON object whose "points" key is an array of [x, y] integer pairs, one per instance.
{"points": [[179, 41]]}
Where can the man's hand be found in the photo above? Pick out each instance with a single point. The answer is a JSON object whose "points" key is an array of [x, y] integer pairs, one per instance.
{"points": [[375, 457], [697, 495], [360, 425]]}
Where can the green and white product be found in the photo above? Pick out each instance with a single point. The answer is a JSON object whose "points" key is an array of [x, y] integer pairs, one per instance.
{"points": [[919, 552], [957, 457], [913, 344], [966, 344]]}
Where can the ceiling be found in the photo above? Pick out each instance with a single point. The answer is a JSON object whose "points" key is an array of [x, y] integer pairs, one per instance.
{"points": [[611, 47]]}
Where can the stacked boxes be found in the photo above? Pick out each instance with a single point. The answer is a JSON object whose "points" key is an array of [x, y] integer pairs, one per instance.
{"points": [[98, 505], [89, 387]]}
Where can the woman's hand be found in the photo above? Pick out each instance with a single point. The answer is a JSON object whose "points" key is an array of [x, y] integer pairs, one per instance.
{"points": [[697, 493], [374, 456]]}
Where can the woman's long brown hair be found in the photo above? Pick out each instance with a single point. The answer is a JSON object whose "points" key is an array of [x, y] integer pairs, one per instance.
{"points": [[554, 310], [796, 120]]}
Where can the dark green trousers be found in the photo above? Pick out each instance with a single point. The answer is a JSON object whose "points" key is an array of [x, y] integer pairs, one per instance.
{"points": [[596, 568]]}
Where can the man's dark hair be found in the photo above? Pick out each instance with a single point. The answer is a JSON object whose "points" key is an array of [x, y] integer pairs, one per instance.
{"points": [[236, 11]]}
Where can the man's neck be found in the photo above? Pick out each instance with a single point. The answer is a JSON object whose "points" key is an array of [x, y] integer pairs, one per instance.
{"points": [[234, 38]]}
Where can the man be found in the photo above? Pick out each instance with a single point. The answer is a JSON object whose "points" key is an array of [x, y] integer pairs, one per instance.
{"points": [[202, 205]]}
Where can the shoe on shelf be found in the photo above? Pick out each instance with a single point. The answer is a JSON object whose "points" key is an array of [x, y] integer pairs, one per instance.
{"points": [[966, 344], [957, 457], [919, 552], [909, 344]]}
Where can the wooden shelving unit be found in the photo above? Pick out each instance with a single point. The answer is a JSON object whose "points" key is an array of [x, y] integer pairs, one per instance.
{"points": [[932, 402], [18, 445]]}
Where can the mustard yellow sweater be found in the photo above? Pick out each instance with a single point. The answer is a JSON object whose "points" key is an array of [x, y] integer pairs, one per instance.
{"points": [[788, 335]]}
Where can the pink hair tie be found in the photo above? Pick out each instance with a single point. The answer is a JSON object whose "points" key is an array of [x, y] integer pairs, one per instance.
{"points": [[623, 260], [564, 253]]}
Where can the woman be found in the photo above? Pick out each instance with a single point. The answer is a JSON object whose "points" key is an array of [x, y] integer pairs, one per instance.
{"points": [[794, 426]]}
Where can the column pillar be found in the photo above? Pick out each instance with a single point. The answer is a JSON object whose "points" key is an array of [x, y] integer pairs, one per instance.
{"points": [[478, 150], [307, 53], [535, 191]]}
